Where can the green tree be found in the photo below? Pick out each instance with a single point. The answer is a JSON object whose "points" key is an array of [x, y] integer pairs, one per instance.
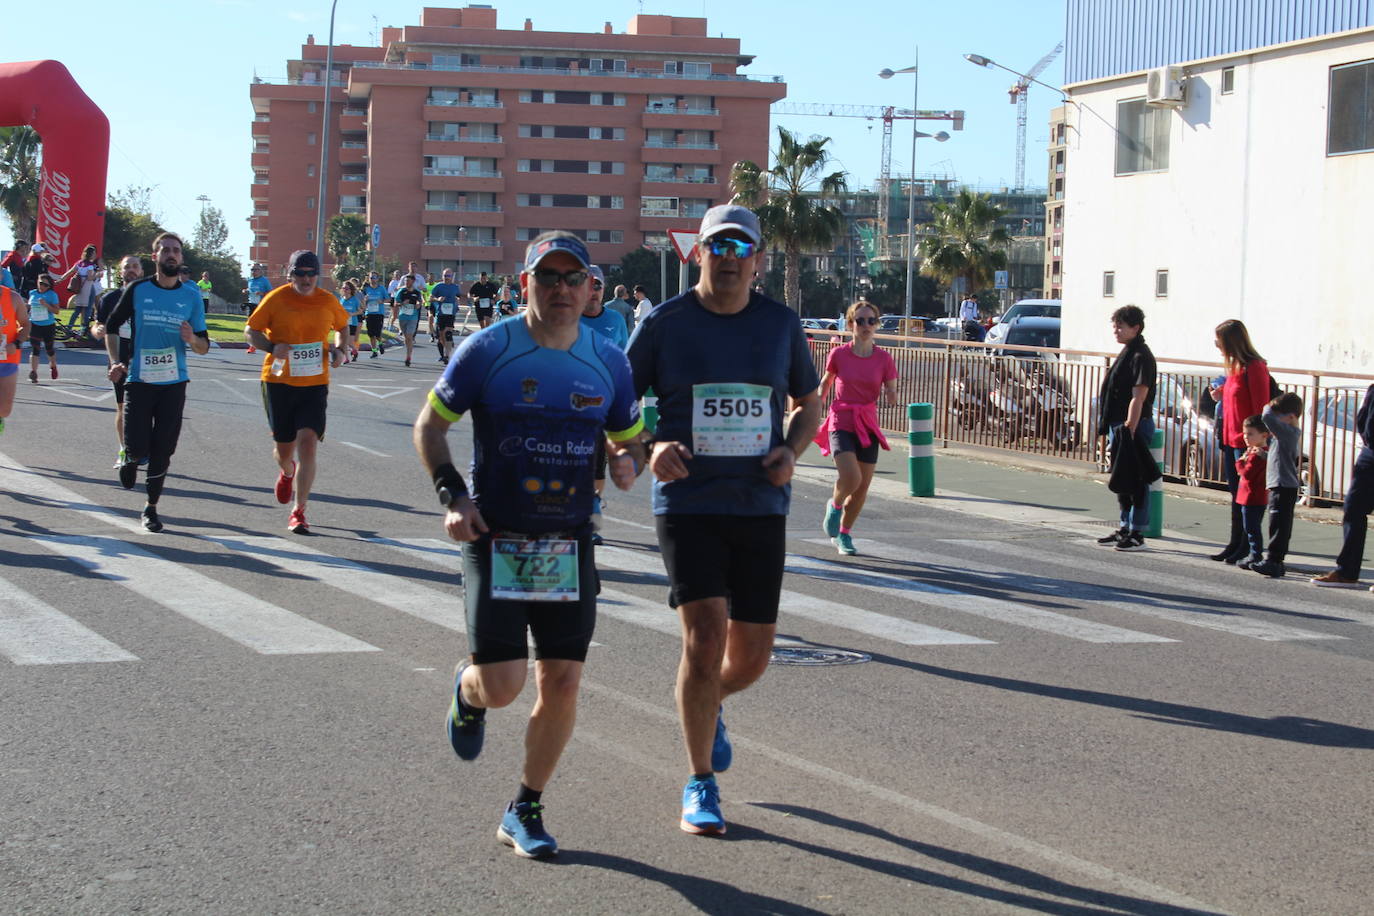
{"points": [[127, 232], [793, 201], [641, 266], [212, 235], [346, 240], [19, 179], [965, 241]]}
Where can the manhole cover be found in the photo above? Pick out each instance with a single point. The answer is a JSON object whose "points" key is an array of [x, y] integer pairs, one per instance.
{"points": [[808, 655]]}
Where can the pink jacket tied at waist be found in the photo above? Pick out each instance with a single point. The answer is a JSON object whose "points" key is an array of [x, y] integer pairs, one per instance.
{"points": [[860, 419]]}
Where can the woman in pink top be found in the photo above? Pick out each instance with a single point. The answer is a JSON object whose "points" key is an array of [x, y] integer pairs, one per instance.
{"points": [[860, 371], [1244, 394]]}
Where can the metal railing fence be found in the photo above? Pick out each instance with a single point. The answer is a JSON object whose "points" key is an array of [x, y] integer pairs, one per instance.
{"points": [[1043, 401]]}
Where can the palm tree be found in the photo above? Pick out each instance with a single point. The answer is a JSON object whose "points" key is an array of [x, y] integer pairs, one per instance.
{"points": [[966, 241], [792, 200], [19, 179]]}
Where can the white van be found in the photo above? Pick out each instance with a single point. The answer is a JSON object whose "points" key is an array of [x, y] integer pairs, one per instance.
{"points": [[1023, 308]]}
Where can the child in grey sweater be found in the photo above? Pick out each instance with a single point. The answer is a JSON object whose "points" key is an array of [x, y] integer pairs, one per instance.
{"points": [[1283, 418]]}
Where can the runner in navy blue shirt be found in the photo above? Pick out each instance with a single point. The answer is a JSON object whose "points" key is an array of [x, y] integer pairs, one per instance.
{"points": [[541, 389], [167, 315], [738, 404]]}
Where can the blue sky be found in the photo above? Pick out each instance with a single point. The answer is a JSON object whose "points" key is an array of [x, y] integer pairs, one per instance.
{"points": [[173, 78]]}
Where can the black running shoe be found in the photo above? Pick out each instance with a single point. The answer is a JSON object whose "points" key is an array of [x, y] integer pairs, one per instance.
{"points": [[150, 520], [1131, 540], [128, 473], [1114, 538]]}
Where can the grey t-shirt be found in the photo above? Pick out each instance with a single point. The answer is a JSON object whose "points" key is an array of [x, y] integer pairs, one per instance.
{"points": [[1283, 453], [696, 362]]}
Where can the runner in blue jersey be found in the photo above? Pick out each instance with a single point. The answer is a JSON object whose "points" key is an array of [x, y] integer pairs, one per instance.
{"points": [[43, 309], [374, 311], [541, 389], [604, 321], [352, 303], [737, 406], [166, 315], [443, 300]]}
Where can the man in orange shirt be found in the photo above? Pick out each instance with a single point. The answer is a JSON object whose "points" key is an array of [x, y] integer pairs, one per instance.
{"points": [[298, 327]]}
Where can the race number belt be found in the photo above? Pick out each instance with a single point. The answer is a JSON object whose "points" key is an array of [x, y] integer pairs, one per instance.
{"points": [[445, 308], [534, 569], [307, 359], [157, 367], [484, 303], [731, 419], [408, 311], [38, 312]]}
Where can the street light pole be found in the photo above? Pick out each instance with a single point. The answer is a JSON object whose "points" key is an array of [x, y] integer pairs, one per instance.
{"points": [[325, 138], [914, 70]]}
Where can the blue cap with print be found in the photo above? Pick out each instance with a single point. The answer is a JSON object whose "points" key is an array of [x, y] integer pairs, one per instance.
{"points": [[596, 273], [544, 246]]}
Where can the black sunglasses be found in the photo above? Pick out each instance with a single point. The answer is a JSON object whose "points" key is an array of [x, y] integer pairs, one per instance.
{"points": [[305, 273], [550, 278], [866, 321]]}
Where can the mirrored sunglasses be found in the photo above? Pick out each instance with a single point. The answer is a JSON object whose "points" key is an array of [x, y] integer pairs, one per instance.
{"points": [[737, 247]]}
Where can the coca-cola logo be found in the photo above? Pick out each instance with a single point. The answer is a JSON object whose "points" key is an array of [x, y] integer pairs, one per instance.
{"points": [[54, 213]]}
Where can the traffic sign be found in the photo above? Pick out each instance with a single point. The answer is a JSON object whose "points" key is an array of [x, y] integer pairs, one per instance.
{"points": [[683, 241], [999, 279], [376, 236]]}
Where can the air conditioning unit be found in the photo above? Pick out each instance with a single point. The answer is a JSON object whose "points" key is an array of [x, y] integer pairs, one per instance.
{"points": [[1164, 87]]}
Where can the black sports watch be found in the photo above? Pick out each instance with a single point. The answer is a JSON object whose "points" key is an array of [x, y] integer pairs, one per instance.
{"points": [[447, 496]]}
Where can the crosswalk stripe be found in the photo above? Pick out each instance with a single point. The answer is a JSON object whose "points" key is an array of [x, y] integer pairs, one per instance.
{"points": [[1009, 612], [249, 621], [431, 605], [831, 613], [1211, 618], [33, 632], [15, 478]]}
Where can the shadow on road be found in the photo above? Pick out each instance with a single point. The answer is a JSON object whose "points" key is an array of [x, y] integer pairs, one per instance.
{"points": [[1088, 899], [704, 894], [1298, 729]]}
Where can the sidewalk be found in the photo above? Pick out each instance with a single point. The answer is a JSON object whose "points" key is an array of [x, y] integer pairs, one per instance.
{"points": [[1033, 489]]}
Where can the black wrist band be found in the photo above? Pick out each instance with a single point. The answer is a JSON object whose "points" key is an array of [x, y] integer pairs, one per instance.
{"points": [[446, 477]]}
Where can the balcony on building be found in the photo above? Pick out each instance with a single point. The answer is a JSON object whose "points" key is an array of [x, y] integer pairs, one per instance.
{"points": [[353, 152], [353, 119], [262, 126], [446, 249], [437, 179], [258, 190]]}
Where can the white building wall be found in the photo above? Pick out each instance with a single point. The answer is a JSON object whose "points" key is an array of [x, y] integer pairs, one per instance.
{"points": [[1252, 219]]}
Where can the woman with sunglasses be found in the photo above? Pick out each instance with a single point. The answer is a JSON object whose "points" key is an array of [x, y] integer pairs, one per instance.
{"points": [[860, 371]]}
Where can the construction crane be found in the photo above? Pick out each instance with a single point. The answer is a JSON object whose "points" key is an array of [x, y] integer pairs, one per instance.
{"points": [[887, 114], [1019, 92]]}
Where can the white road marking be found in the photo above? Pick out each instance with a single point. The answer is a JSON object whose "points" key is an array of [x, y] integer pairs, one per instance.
{"points": [[75, 390], [831, 613], [1213, 619], [247, 620], [389, 391], [431, 605], [15, 478], [33, 632], [1009, 612], [364, 448]]}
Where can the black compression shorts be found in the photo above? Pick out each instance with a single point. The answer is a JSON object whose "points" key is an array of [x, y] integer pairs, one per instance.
{"points": [[842, 440], [736, 557], [497, 626]]}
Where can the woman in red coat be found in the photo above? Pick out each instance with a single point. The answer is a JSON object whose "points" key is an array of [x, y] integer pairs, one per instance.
{"points": [[1243, 395]]}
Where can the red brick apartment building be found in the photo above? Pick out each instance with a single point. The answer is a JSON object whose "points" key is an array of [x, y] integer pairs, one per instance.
{"points": [[463, 141]]}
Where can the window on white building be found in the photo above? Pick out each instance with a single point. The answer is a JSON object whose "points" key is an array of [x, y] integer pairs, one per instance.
{"points": [[1108, 284], [1228, 80], [1350, 112], [1161, 284], [1142, 137]]}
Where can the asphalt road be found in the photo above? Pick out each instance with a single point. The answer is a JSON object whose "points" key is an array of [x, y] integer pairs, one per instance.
{"points": [[226, 718]]}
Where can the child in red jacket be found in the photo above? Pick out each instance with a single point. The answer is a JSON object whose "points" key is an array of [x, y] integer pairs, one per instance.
{"points": [[1252, 494]]}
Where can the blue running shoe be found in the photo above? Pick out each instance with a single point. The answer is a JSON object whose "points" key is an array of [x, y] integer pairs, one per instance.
{"points": [[465, 724], [522, 829], [721, 751], [831, 525], [701, 808]]}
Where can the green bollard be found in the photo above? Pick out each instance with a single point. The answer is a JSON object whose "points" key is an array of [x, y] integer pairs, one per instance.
{"points": [[650, 411], [921, 439], [1156, 527]]}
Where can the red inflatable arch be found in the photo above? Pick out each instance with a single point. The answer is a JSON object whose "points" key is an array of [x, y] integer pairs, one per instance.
{"points": [[76, 153]]}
